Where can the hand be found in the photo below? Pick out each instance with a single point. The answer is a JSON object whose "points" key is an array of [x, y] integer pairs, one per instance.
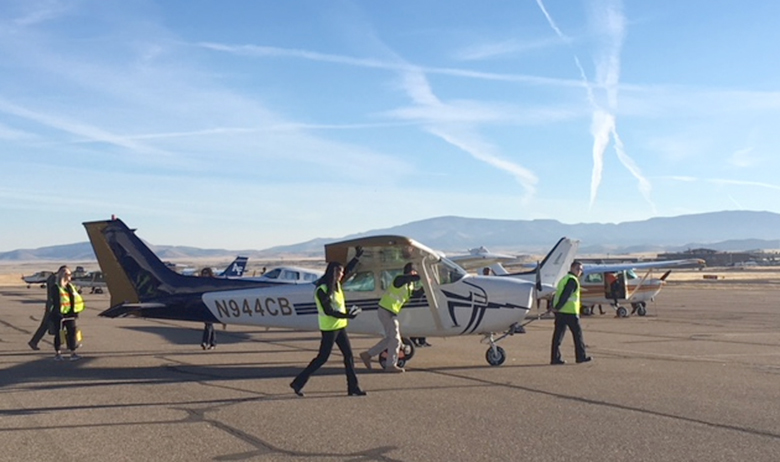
{"points": [[354, 310], [358, 251]]}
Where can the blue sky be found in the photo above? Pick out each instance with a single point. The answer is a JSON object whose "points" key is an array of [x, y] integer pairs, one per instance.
{"points": [[248, 124]]}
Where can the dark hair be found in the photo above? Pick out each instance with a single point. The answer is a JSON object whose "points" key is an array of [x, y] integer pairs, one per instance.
{"points": [[408, 268], [206, 272], [330, 278]]}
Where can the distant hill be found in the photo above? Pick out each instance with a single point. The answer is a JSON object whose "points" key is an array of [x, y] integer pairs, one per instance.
{"points": [[723, 231]]}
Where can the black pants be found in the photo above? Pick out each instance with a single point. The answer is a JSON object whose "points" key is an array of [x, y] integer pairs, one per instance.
{"points": [[70, 334], [340, 338], [42, 329], [209, 336], [572, 321]]}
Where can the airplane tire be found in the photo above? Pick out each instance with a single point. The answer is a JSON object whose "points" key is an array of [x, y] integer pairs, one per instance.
{"points": [[408, 348], [641, 309], [622, 312], [496, 358]]}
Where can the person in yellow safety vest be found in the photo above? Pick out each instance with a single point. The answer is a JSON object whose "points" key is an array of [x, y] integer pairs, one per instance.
{"points": [[391, 303], [566, 305], [64, 311], [333, 318]]}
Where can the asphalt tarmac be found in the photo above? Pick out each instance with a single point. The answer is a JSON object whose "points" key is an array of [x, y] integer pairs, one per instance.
{"points": [[697, 379]]}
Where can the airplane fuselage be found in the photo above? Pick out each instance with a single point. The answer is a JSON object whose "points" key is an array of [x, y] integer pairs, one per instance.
{"points": [[470, 305]]}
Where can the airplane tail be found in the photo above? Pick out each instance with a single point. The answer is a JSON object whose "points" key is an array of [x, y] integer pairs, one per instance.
{"points": [[137, 279], [552, 268], [235, 269]]}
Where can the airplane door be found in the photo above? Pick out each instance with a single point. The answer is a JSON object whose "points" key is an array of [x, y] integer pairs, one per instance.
{"points": [[620, 286]]}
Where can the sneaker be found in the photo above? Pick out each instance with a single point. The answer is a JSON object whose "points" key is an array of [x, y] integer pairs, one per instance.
{"points": [[74, 357], [58, 357], [557, 362], [204, 346], [34, 346], [211, 347], [585, 359], [366, 358], [394, 368]]}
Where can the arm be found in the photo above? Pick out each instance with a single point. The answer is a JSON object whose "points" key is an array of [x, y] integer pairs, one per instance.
{"points": [[403, 279], [352, 264], [324, 299], [569, 289]]}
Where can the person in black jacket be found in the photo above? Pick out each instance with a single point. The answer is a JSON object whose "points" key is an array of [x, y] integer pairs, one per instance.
{"points": [[51, 292], [333, 318], [209, 339]]}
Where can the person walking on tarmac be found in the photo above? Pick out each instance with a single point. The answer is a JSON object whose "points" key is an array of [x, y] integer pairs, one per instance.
{"points": [[391, 303], [566, 305], [65, 309], [333, 319], [209, 339], [51, 294]]}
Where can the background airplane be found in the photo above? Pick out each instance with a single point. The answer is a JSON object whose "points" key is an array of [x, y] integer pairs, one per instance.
{"points": [[234, 270], [38, 278], [93, 279], [629, 288], [289, 275], [454, 302]]}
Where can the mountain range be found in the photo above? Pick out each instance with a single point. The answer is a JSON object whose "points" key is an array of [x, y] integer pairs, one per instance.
{"points": [[721, 231]]}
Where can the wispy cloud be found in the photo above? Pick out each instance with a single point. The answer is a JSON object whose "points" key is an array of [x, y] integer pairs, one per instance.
{"points": [[501, 49], [445, 120], [608, 20], [743, 158]]}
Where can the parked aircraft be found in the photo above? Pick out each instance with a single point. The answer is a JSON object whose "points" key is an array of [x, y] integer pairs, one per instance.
{"points": [[234, 270], [629, 287], [38, 278], [454, 302], [290, 275], [93, 279]]}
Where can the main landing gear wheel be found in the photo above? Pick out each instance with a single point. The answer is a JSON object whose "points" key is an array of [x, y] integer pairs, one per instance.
{"points": [[495, 355], [622, 312], [404, 354], [641, 308]]}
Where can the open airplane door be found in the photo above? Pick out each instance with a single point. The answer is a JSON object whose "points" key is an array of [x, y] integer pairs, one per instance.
{"points": [[383, 258]]}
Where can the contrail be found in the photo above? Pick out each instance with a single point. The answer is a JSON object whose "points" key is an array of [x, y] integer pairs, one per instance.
{"points": [[603, 125]]}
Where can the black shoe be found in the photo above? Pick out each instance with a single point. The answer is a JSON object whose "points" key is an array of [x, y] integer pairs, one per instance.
{"points": [[357, 392], [298, 390], [34, 346], [584, 360], [557, 362]]}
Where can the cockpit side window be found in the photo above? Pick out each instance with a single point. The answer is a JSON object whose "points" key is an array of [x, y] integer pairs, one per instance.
{"points": [[448, 272], [273, 274]]}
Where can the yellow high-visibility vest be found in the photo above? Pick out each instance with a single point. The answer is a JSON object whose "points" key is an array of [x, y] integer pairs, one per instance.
{"points": [[65, 305], [572, 305], [396, 297], [328, 323]]}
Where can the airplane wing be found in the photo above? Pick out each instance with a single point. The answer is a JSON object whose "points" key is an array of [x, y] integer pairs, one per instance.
{"points": [[480, 258], [612, 267]]}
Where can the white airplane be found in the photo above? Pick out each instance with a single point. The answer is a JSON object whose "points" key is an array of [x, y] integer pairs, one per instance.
{"points": [[630, 288], [38, 278], [93, 279], [551, 269], [454, 302], [289, 275]]}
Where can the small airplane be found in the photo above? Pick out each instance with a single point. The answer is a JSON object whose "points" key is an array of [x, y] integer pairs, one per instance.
{"points": [[454, 302], [629, 288], [289, 275], [626, 287], [234, 270], [38, 278], [93, 279], [544, 274]]}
